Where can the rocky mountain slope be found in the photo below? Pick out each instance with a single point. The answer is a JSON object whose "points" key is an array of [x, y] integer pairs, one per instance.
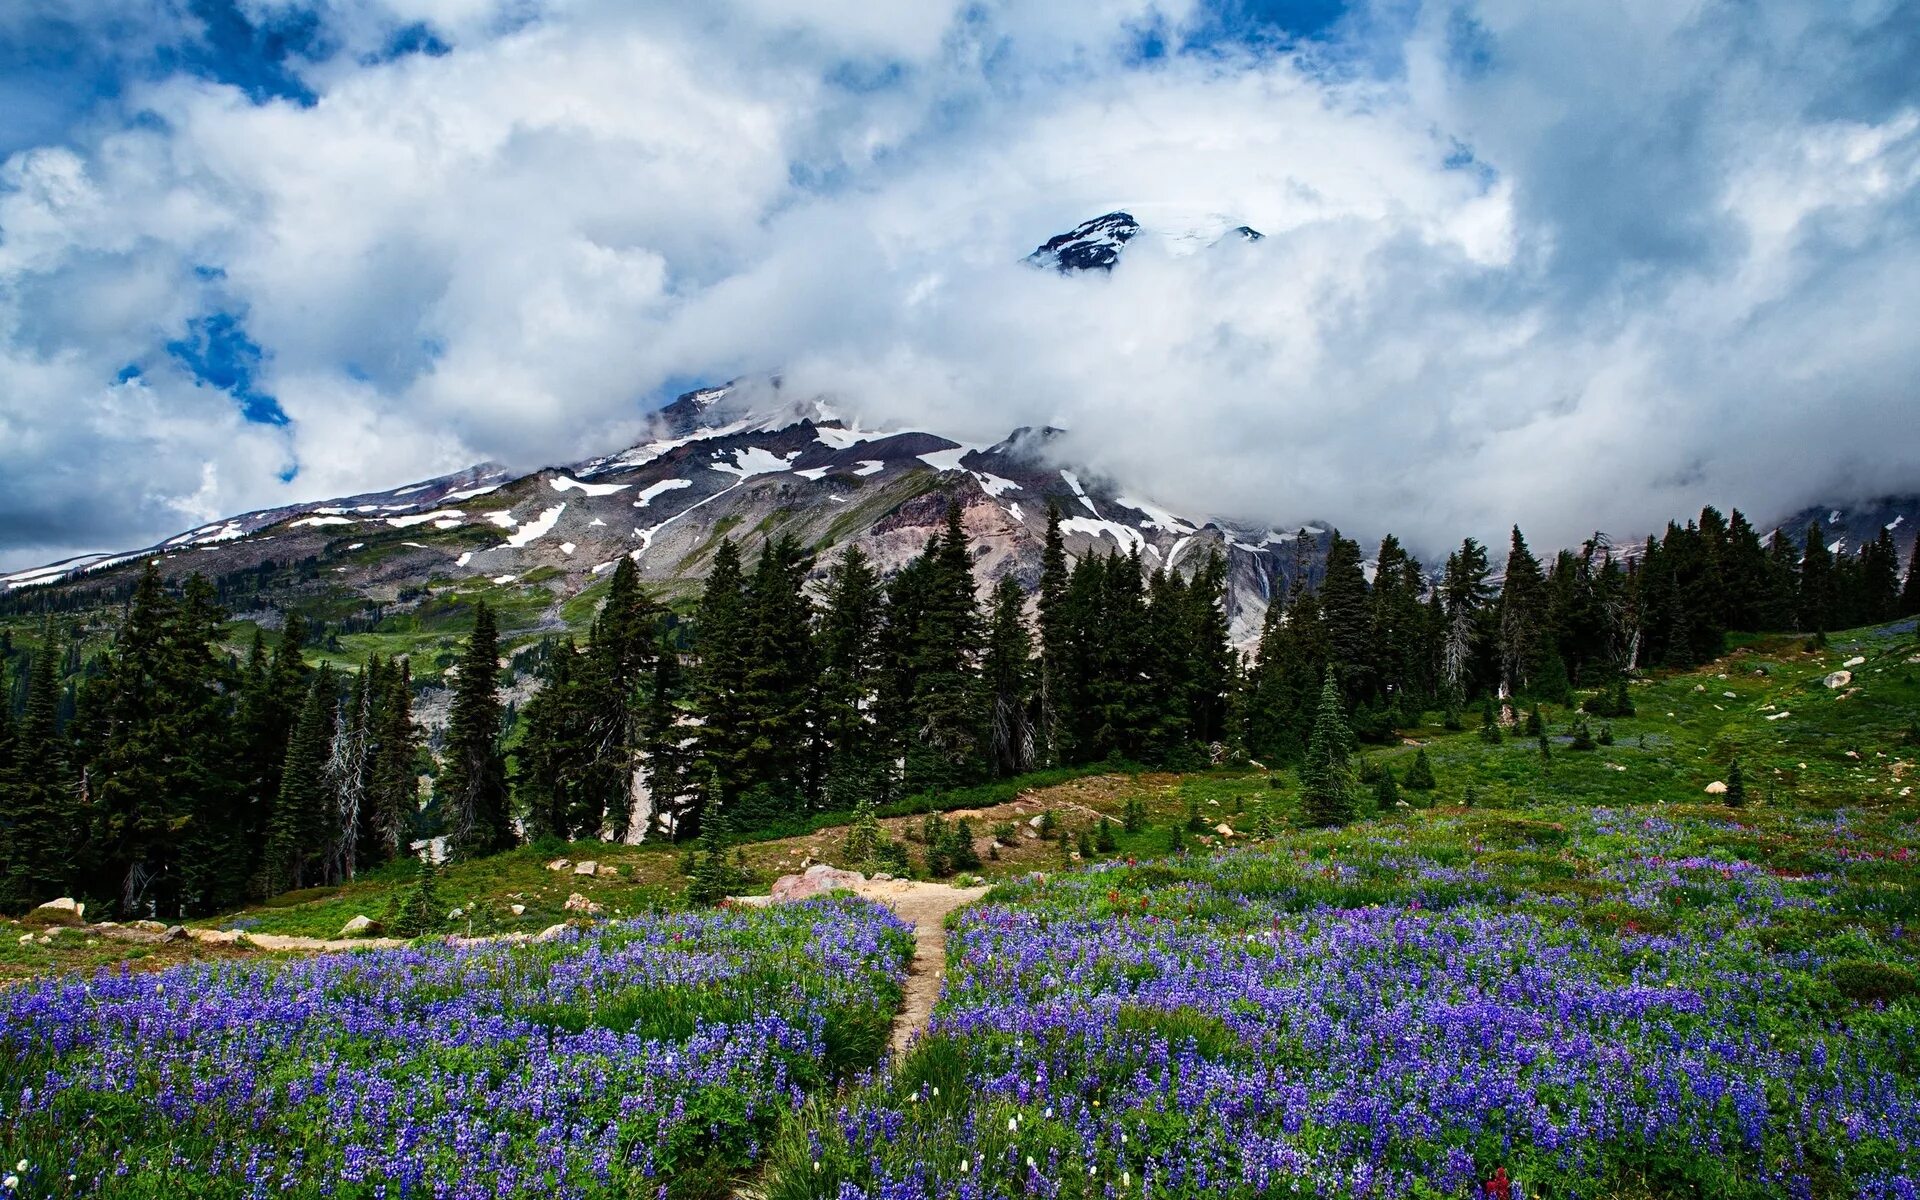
{"points": [[748, 462]]}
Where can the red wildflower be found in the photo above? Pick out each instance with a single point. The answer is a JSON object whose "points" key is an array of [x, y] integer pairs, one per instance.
{"points": [[1499, 1185]]}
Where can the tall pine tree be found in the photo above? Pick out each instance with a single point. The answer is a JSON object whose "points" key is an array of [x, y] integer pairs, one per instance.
{"points": [[472, 787], [1326, 776]]}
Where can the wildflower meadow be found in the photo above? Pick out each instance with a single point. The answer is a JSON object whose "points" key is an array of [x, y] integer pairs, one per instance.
{"points": [[647, 1058], [1587, 1004]]}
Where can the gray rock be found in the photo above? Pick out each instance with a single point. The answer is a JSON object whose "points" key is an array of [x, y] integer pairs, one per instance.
{"points": [[360, 926], [586, 868], [814, 881]]}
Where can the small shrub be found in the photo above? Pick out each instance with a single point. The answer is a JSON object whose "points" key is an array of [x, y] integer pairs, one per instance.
{"points": [[1420, 774], [1866, 981]]}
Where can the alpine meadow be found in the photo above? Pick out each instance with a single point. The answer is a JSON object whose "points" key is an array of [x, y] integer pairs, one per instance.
{"points": [[1140, 600]]}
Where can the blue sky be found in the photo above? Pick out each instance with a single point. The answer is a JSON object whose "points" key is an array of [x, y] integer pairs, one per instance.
{"points": [[253, 251]]}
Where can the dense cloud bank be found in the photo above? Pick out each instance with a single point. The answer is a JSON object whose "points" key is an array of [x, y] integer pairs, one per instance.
{"points": [[1572, 265]]}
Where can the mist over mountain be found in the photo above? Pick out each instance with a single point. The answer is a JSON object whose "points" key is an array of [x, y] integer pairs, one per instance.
{"points": [[301, 251]]}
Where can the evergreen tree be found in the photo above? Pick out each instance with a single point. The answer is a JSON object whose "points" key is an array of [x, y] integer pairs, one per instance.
{"points": [[393, 792], [37, 818], [1524, 638], [472, 787], [1879, 579], [850, 674], [1816, 596], [1910, 589], [1007, 671], [779, 685], [1420, 774], [721, 631], [1346, 620], [612, 681], [1466, 597], [1385, 794], [1209, 647], [1745, 575], [298, 837], [946, 719], [1325, 775], [1780, 609], [664, 741], [1736, 796], [160, 803], [554, 753]]}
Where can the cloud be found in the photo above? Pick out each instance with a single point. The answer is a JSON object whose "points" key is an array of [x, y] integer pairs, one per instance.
{"points": [[1587, 267]]}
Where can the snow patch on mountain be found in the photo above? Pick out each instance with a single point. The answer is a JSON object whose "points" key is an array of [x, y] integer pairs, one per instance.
{"points": [[754, 461], [442, 518], [1128, 537], [539, 527], [648, 494], [1157, 517], [561, 483]]}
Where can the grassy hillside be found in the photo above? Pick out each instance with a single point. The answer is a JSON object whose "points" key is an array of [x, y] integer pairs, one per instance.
{"points": [[1834, 747]]}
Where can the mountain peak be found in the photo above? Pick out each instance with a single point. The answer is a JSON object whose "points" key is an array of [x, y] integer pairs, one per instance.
{"points": [[1095, 245], [1090, 246]]}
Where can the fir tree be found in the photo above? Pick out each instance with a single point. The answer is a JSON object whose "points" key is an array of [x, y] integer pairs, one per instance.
{"points": [[393, 792], [1816, 596], [472, 787], [418, 912], [779, 684], [1879, 579], [1524, 638], [1385, 794], [299, 833], [1736, 796], [37, 817], [1420, 774], [945, 731], [664, 740], [715, 877], [1325, 776], [850, 674], [1465, 595], [1910, 589], [721, 631]]}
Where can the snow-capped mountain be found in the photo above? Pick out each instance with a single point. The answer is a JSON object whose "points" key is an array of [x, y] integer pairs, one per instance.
{"points": [[745, 461], [1096, 245]]}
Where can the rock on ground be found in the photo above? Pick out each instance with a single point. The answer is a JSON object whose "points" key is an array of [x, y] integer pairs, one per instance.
{"points": [[813, 881]]}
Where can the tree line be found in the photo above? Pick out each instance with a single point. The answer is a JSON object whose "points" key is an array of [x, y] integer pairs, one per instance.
{"points": [[166, 775]]}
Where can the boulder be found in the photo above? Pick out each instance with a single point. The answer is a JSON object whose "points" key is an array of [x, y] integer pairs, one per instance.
{"points": [[586, 868], [580, 904], [550, 932], [1717, 788], [518, 910], [814, 881], [1838, 679], [148, 926], [560, 864], [360, 926], [607, 872], [1223, 829], [883, 877], [64, 911], [1855, 661]]}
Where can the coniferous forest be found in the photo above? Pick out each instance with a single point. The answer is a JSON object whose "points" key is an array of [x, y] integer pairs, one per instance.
{"points": [[171, 773]]}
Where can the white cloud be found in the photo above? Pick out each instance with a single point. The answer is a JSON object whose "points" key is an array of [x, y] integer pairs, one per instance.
{"points": [[1588, 267]]}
